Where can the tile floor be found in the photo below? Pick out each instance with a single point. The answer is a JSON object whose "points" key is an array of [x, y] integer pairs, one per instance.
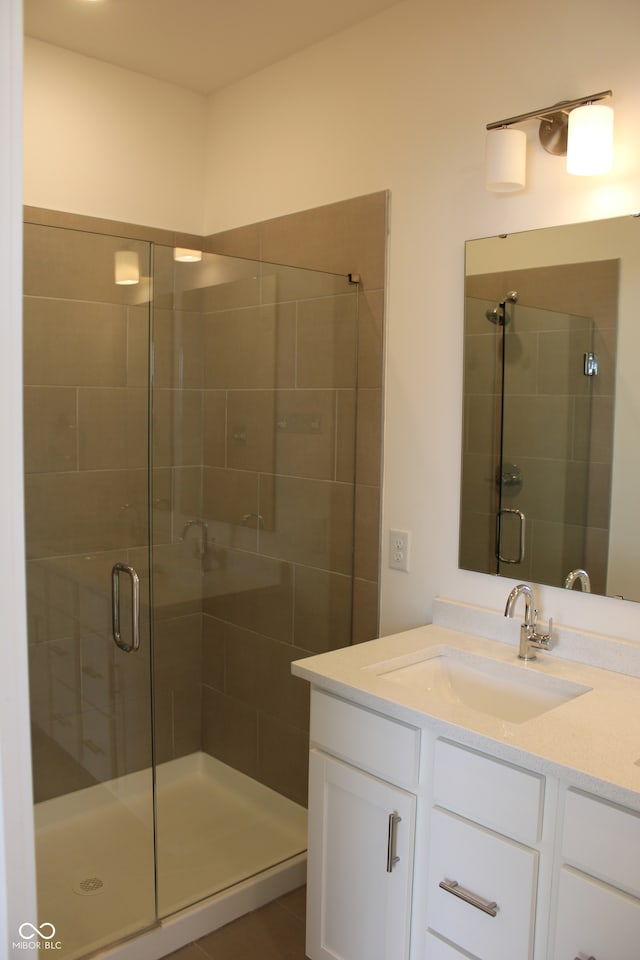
{"points": [[274, 932]]}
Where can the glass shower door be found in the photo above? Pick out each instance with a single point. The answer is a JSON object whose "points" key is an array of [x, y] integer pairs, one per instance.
{"points": [[254, 399], [86, 351], [545, 455]]}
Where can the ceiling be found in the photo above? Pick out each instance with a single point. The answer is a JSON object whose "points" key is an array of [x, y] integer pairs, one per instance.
{"points": [[201, 45]]}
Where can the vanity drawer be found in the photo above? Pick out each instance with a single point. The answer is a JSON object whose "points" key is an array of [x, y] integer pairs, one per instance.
{"points": [[437, 949], [602, 839], [387, 748], [492, 870], [595, 920], [495, 794]]}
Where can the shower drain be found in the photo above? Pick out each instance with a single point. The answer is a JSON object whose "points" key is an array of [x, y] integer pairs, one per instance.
{"points": [[89, 886]]}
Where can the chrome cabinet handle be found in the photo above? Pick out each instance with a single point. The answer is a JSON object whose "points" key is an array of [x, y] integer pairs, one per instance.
{"points": [[580, 958], [392, 837], [135, 607], [521, 545], [487, 906]]}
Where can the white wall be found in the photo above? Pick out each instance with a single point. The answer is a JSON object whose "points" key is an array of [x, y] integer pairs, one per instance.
{"points": [[110, 143], [17, 870], [401, 102]]}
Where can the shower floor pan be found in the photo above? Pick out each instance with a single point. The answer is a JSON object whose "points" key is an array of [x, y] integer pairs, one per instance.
{"points": [[94, 847]]}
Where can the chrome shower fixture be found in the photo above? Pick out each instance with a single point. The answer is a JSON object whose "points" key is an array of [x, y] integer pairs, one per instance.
{"points": [[498, 314]]}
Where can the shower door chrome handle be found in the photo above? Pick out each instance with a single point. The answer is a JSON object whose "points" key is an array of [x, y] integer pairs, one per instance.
{"points": [[521, 546], [119, 568]]}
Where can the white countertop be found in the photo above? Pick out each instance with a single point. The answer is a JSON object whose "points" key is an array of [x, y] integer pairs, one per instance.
{"points": [[593, 740]]}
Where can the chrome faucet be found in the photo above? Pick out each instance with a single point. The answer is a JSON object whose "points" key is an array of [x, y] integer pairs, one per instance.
{"points": [[529, 636], [582, 577], [201, 548]]}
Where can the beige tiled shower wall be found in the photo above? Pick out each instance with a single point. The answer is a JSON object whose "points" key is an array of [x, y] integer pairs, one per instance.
{"points": [[254, 405], [255, 715]]}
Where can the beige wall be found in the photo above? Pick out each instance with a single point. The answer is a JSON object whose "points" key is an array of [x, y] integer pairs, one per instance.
{"points": [[104, 141], [400, 102]]}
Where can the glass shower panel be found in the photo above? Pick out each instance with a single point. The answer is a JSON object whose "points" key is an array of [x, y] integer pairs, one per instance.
{"points": [[254, 399], [546, 430], [86, 343], [482, 422]]}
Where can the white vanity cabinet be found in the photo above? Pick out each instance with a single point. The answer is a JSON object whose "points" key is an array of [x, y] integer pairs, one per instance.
{"points": [[422, 847], [598, 891], [476, 858], [361, 833]]}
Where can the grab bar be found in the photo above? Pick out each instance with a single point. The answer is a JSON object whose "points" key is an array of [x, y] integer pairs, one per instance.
{"points": [[521, 545], [117, 569]]}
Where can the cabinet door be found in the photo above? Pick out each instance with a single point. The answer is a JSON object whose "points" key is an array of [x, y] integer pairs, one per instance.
{"points": [[595, 920], [358, 901]]}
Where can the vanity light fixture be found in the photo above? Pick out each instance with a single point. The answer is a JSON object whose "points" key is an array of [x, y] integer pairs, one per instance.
{"points": [[184, 255], [582, 129], [127, 267]]}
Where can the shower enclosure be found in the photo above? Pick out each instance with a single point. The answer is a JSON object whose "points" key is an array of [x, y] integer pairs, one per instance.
{"points": [[189, 460]]}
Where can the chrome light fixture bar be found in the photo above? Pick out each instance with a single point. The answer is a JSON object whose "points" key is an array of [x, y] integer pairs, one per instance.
{"points": [[581, 128]]}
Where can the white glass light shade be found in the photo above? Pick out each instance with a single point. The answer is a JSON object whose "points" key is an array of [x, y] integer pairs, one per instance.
{"points": [[127, 268], [184, 255], [590, 140], [505, 159]]}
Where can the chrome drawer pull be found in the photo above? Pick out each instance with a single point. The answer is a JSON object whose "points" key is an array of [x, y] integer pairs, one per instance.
{"points": [[580, 958], [392, 859], [452, 886]]}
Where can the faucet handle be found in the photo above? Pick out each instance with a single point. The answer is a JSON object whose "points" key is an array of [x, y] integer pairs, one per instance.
{"points": [[543, 641]]}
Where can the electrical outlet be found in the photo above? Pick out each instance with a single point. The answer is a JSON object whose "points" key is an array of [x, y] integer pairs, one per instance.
{"points": [[399, 549]]}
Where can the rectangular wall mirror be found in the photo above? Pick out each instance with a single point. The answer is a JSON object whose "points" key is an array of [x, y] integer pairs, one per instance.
{"points": [[551, 414]]}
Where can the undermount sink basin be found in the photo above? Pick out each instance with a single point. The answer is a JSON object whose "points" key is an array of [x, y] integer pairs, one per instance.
{"points": [[508, 691]]}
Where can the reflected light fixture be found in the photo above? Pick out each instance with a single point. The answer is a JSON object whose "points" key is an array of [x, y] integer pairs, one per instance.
{"points": [[127, 267], [582, 129], [184, 255]]}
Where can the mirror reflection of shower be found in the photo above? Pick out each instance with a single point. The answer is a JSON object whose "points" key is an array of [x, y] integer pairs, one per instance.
{"points": [[498, 314]]}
